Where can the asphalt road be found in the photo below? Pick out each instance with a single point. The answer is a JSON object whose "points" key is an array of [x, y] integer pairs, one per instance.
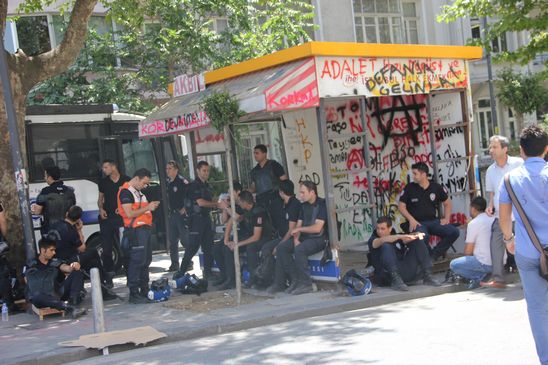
{"points": [[479, 327]]}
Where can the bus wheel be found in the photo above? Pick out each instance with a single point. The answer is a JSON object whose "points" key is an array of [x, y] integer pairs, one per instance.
{"points": [[97, 242]]}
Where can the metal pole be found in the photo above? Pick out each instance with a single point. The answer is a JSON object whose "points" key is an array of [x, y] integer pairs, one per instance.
{"points": [[228, 147], [97, 302], [17, 159], [492, 98]]}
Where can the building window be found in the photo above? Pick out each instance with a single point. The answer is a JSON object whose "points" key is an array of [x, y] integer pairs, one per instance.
{"points": [[498, 44], [411, 21], [512, 124], [378, 21], [485, 122], [33, 34]]}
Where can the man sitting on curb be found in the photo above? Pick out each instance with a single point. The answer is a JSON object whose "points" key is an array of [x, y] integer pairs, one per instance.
{"points": [[399, 258], [476, 262], [47, 284]]}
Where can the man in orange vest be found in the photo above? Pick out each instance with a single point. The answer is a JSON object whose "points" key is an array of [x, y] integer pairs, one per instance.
{"points": [[136, 212]]}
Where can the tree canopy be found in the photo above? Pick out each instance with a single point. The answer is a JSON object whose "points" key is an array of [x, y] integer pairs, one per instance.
{"points": [[506, 16]]}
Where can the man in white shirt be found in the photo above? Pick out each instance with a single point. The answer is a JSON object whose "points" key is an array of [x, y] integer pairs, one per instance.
{"points": [[476, 262], [498, 149]]}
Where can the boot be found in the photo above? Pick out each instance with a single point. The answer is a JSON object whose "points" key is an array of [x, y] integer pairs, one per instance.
{"points": [[275, 288], [73, 308], [227, 285], [108, 279], [293, 286], [136, 298], [427, 279], [108, 294], [398, 283]]}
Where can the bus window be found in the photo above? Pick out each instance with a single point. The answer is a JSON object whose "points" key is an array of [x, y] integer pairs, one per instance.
{"points": [[139, 154], [74, 148]]}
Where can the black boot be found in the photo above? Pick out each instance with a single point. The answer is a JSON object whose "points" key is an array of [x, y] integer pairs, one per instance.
{"points": [[135, 297], [108, 279], [73, 308], [427, 279], [397, 282]]}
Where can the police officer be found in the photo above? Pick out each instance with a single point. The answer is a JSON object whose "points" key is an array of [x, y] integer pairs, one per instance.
{"points": [[178, 232], [109, 221], [291, 212], [136, 213], [419, 205], [53, 283], [265, 182], [54, 200], [308, 238], [198, 204], [255, 230]]}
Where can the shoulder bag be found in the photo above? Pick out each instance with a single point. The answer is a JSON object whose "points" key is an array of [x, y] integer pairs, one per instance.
{"points": [[543, 270]]}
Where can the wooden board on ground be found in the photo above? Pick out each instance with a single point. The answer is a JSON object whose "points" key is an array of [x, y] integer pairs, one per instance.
{"points": [[41, 312], [138, 336]]}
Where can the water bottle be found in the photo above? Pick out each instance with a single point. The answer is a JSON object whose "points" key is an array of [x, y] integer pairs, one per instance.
{"points": [[5, 314]]}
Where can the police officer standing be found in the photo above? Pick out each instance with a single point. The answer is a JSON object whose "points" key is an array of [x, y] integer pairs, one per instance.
{"points": [[265, 182], [178, 232], [198, 204], [109, 221], [136, 212], [308, 238], [255, 229], [419, 205], [54, 200]]}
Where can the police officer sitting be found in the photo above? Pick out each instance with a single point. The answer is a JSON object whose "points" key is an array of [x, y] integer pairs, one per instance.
{"points": [[178, 231], [54, 200], [399, 258], [419, 203], [136, 212], [198, 205], [291, 212], [71, 247], [308, 238], [46, 282], [265, 181], [255, 230]]}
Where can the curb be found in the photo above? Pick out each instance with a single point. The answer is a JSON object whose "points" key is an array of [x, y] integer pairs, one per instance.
{"points": [[289, 313]]}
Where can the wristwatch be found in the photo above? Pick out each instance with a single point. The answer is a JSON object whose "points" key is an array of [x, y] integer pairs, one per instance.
{"points": [[509, 239]]}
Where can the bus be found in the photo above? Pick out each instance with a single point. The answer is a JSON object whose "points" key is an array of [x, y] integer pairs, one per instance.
{"points": [[77, 138]]}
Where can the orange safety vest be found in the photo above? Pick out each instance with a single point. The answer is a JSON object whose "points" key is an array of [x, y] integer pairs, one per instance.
{"points": [[144, 219]]}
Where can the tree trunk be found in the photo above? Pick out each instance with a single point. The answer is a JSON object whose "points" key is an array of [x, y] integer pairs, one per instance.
{"points": [[25, 72], [519, 123]]}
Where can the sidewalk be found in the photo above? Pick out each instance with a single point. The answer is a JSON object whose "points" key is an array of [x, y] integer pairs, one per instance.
{"points": [[26, 340]]}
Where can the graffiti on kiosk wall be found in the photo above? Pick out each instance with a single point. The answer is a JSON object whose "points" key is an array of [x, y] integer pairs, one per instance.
{"points": [[398, 136], [303, 155], [175, 125], [388, 76]]}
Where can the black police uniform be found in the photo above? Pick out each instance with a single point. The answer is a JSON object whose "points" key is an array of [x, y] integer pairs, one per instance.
{"points": [[67, 244], [423, 205], [178, 230], [267, 182], [408, 260], [55, 199], [110, 227], [48, 287], [256, 217], [200, 226], [291, 212], [297, 268]]}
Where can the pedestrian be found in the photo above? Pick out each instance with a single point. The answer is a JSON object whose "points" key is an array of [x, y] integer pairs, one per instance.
{"points": [[110, 221], [307, 238], [265, 182], [419, 203], [136, 213], [178, 218], [198, 205], [502, 163], [476, 263], [54, 200], [530, 185]]}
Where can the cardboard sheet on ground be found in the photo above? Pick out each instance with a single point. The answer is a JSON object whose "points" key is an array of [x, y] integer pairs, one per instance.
{"points": [[138, 336]]}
